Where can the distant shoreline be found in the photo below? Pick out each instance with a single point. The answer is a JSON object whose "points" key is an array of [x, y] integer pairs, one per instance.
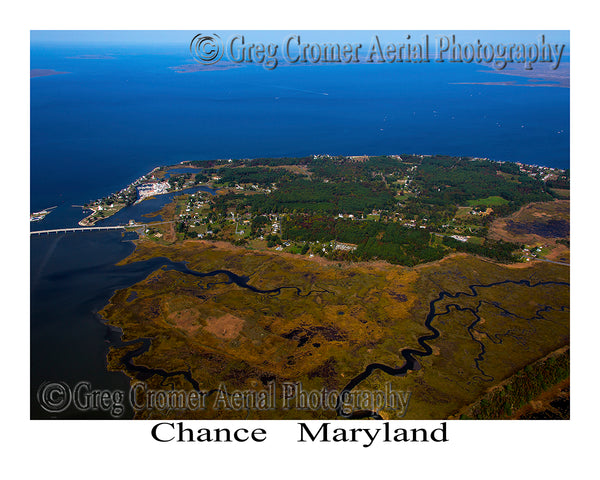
{"points": [[42, 72]]}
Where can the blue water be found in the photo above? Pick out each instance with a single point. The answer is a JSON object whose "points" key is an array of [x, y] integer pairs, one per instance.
{"points": [[111, 120]]}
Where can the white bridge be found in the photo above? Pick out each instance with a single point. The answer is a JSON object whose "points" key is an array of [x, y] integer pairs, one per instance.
{"points": [[79, 229], [87, 229]]}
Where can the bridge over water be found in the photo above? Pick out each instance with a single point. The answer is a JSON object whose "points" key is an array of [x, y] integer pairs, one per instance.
{"points": [[86, 229]]}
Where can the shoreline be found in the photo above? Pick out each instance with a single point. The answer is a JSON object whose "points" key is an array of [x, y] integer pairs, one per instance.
{"points": [[160, 181], [188, 164]]}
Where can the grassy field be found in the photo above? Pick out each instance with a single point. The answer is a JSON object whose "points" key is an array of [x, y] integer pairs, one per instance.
{"points": [[476, 240], [487, 202], [98, 214], [509, 397], [347, 316], [562, 193]]}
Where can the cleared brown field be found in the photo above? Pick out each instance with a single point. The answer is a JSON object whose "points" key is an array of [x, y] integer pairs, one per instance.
{"points": [[535, 222], [545, 224]]}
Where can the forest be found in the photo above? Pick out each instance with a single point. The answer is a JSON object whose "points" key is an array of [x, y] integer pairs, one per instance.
{"points": [[400, 208]]}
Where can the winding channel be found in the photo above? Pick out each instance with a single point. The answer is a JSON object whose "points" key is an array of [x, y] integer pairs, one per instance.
{"points": [[156, 263], [409, 354]]}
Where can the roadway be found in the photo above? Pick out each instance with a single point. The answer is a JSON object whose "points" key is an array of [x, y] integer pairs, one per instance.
{"points": [[86, 229]]}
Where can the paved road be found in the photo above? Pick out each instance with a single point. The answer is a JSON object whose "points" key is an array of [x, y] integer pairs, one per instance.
{"points": [[85, 229]]}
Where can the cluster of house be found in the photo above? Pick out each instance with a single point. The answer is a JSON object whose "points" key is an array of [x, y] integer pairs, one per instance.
{"points": [[551, 173], [37, 216], [345, 247], [460, 238], [149, 189], [255, 188]]}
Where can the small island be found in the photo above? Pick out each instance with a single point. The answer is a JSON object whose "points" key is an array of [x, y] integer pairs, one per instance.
{"points": [[37, 216], [43, 72]]}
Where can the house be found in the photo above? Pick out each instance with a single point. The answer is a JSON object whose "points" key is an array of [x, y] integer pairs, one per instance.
{"points": [[347, 247]]}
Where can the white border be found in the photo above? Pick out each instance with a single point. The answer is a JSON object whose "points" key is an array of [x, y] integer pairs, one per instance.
{"points": [[477, 449]]}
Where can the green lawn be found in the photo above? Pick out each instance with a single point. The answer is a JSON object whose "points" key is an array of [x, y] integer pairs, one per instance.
{"points": [[476, 240], [487, 202], [463, 212]]}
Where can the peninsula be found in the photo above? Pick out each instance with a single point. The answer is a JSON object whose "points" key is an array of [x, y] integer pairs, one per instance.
{"points": [[440, 276]]}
